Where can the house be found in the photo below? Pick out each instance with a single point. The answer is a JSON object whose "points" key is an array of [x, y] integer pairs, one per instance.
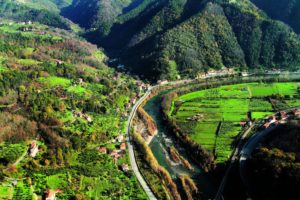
{"points": [[59, 62], [201, 75], [87, 118], [266, 125], [114, 152], [33, 149], [243, 123], [133, 100], [26, 29], [273, 119], [125, 167], [162, 82], [117, 156], [51, 194], [123, 146], [120, 138], [103, 150], [128, 105], [297, 112], [245, 73]]}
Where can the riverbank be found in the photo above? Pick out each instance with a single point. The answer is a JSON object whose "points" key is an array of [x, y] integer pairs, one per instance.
{"points": [[161, 143]]}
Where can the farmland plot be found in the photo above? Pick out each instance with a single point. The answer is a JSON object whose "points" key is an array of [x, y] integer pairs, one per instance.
{"points": [[201, 113]]}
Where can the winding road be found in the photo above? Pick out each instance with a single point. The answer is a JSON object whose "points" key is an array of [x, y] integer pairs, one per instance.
{"points": [[132, 159], [133, 163], [248, 149], [234, 157]]}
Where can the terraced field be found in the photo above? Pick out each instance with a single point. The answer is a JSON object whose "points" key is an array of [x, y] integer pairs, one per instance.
{"points": [[212, 117]]}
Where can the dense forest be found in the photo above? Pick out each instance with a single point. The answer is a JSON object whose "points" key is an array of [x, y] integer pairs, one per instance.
{"points": [[213, 35], [284, 10], [275, 165]]}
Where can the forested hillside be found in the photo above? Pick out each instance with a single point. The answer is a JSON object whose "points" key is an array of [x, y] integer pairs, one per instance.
{"points": [[51, 5], [274, 167], [23, 12], [94, 14], [59, 101], [287, 11], [183, 37]]}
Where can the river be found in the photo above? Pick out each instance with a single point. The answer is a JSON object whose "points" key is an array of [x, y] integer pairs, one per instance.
{"points": [[159, 146], [163, 140]]}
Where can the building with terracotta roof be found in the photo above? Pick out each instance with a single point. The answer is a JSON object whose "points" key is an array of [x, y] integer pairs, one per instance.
{"points": [[33, 149]]}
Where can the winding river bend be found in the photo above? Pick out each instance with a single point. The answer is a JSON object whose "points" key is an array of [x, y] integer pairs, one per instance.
{"points": [[163, 140], [159, 146]]}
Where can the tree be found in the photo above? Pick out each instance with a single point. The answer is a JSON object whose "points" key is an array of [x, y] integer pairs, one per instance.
{"points": [[60, 156]]}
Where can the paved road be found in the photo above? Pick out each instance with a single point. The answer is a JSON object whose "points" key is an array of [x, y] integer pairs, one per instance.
{"points": [[248, 149], [250, 146], [133, 163], [20, 158], [234, 157]]}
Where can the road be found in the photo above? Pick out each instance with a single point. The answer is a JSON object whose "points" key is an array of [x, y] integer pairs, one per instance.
{"points": [[234, 157], [250, 146], [248, 149], [132, 159], [133, 163]]}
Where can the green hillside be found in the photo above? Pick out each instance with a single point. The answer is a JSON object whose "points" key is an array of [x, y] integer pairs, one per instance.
{"points": [[56, 89], [185, 37], [51, 5], [284, 10], [33, 12]]}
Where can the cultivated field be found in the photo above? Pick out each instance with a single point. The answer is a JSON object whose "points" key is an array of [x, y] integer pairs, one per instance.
{"points": [[212, 117]]}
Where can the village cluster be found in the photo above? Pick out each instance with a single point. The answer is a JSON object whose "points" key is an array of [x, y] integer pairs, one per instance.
{"points": [[118, 152], [281, 118], [142, 88]]}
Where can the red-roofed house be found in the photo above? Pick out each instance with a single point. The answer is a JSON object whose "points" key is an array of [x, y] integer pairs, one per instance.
{"points": [[114, 152], [103, 150], [123, 146], [51, 194], [125, 167], [33, 149], [243, 123]]}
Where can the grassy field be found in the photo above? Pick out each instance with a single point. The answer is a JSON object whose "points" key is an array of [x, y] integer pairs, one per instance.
{"points": [[212, 117]]}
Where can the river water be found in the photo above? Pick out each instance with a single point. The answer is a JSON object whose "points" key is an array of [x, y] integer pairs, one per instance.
{"points": [[159, 146]]}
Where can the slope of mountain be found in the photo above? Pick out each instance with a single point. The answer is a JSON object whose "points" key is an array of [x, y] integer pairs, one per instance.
{"points": [[94, 14], [59, 101], [51, 5], [287, 11], [168, 37], [22, 12]]}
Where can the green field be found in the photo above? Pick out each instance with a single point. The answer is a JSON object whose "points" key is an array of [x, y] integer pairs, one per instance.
{"points": [[227, 106]]}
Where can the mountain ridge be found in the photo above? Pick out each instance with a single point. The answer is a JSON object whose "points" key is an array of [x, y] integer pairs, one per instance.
{"points": [[142, 38]]}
